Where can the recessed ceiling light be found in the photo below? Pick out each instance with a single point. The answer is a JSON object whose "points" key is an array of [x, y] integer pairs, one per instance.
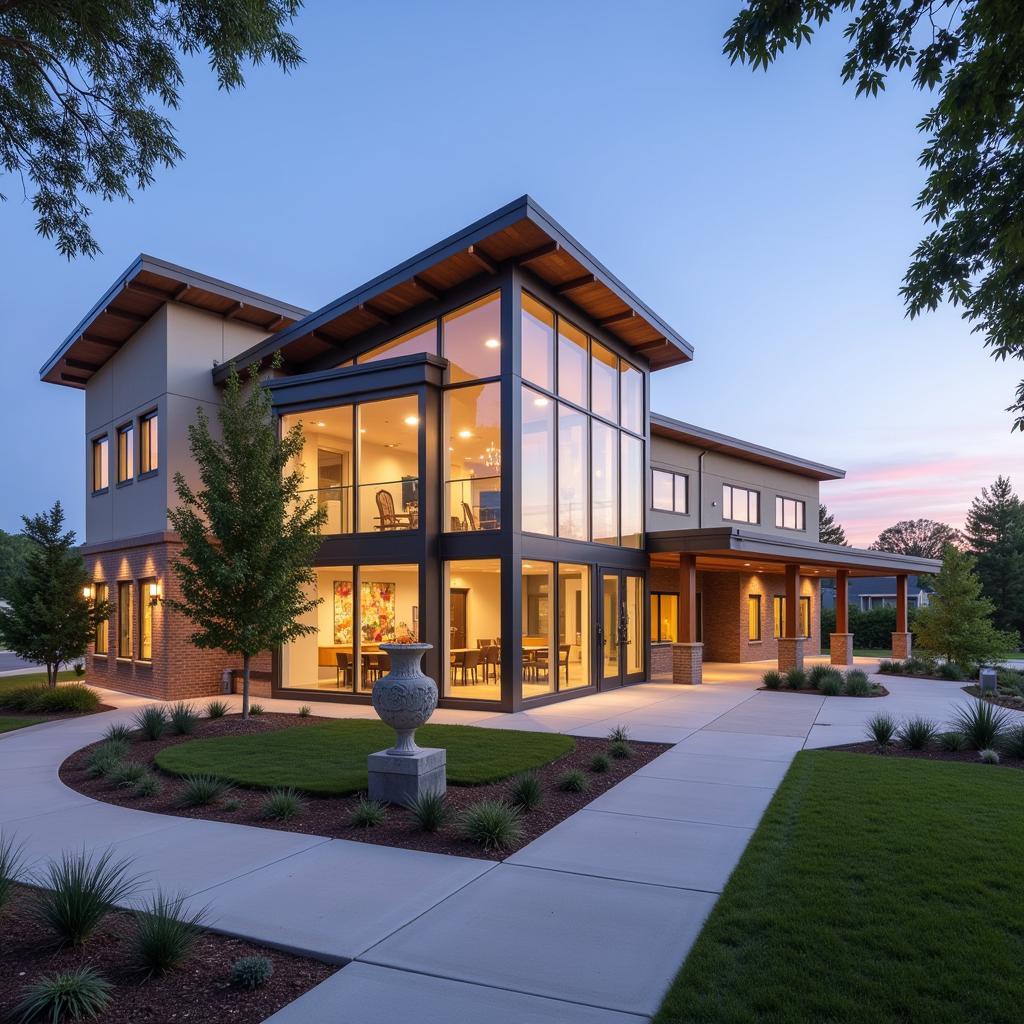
{"points": [[747, 564], [362, 430], [492, 343], [320, 423], [411, 421], [540, 401], [465, 433], [450, 448]]}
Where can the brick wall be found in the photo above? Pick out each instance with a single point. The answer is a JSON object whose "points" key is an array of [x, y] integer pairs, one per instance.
{"points": [[178, 670]]}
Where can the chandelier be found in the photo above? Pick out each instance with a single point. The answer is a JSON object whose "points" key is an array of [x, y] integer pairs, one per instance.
{"points": [[492, 456]]}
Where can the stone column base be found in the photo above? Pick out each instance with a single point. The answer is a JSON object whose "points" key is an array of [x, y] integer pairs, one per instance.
{"points": [[791, 652], [901, 645], [841, 648], [687, 663], [402, 778]]}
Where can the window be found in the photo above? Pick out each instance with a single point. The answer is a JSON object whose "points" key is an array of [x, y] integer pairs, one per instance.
{"points": [[631, 491], [389, 464], [472, 339], [805, 616], [631, 388], [664, 618], [572, 363], [573, 626], [101, 644], [124, 620], [789, 513], [669, 491], [125, 453], [100, 464], [145, 621], [537, 451], [419, 340], [149, 457], [604, 382], [472, 417], [472, 629], [540, 669], [753, 616], [573, 473], [779, 615], [327, 461], [740, 505], [605, 487], [538, 343]]}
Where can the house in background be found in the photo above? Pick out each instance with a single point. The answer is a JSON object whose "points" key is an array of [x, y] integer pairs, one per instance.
{"points": [[478, 430], [877, 592]]}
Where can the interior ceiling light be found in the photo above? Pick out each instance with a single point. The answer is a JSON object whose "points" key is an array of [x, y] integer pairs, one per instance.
{"points": [[492, 343], [540, 401], [465, 433], [320, 423], [411, 421]]}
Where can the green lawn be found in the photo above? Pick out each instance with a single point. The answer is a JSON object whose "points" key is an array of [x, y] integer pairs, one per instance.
{"points": [[330, 758], [874, 891], [872, 652], [19, 682], [8, 723]]}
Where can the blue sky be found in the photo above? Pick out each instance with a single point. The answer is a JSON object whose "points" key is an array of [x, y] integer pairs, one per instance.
{"points": [[768, 217]]}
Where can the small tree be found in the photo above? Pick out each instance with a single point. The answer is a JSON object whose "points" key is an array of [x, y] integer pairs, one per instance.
{"points": [[248, 538], [49, 619], [830, 531], [957, 621]]}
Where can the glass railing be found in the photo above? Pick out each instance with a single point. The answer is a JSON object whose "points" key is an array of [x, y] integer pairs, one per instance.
{"points": [[473, 503], [337, 502], [389, 505]]}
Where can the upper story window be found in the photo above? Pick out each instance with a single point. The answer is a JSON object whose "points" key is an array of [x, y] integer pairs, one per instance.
{"points": [[125, 453], [471, 339], [573, 357], [537, 452], [149, 458], [669, 491], [472, 432], [631, 392], [789, 513], [538, 343], [740, 505], [421, 339], [100, 464], [604, 382]]}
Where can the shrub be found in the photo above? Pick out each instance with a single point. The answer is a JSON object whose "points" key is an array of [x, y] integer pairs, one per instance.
{"points": [[256, 709], [620, 734], [128, 774], [1013, 740], [105, 758], [429, 811], [1010, 681], [988, 756], [282, 804], [796, 679], [917, 666], [151, 722], [148, 785], [67, 995], [75, 698], [952, 741], [251, 971], [890, 668], [815, 675], [216, 709], [599, 764], [118, 732], [200, 790], [857, 683], [982, 724], [12, 863], [917, 733], [882, 729], [772, 680], [492, 824], [79, 669], [369, 813], [183, 718], [573, 782], [78, 891], [305, 711], [952, 672], [231, 805], [620, 749], [164, 936], [526, 792], [831, 684]]}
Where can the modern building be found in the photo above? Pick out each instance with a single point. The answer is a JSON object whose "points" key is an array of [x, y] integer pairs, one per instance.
{"points": [[873, 592], [478, 430]]}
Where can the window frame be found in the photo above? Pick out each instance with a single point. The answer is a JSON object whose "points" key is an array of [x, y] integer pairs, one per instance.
{"points": [[799, 509], [144, 619], [748, 491], [149, 455], [676, 477], [101, 443], [125, 453]]}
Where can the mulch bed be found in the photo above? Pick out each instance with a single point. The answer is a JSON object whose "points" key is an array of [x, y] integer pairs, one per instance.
{"points": [[197, 992], [330, 815], [880, 692], [963, 756], [1004, 700], [53, 716]]}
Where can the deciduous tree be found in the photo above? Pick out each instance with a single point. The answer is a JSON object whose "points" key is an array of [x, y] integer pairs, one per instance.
{"points": [[922, 537]]}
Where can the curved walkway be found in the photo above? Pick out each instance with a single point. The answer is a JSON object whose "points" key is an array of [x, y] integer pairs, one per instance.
{"points": [[586, 925]]}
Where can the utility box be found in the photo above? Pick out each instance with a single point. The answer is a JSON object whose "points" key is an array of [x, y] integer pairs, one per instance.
{"points": [[987, 680]]}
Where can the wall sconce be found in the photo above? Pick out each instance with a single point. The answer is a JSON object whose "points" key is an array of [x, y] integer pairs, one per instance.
{"points": [[88, 591], [154, 593]]}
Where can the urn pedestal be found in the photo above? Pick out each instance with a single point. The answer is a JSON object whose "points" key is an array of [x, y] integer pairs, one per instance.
{"points": [[404, 699]]}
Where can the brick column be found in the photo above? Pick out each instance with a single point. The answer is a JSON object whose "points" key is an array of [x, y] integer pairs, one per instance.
{"points": [[791, 652], [902, 640], [687, 664], [901, 645], [841, 641], [791, 644]]}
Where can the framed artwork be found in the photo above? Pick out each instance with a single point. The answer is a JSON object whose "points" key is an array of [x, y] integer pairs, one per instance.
{"points": [[376, 612], [343, 612]]}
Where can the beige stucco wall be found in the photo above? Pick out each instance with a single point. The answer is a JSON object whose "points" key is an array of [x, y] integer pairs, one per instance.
{"points": [[722, 469]]}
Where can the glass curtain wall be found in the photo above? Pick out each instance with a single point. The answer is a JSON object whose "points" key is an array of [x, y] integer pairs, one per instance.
{"points": [[539, 657], [537, 451], [574, 626], [472, 629], [472, 487]]}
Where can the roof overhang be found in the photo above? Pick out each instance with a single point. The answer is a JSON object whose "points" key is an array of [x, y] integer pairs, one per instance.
{"points": [[519, 234], [710, 440], [146, 286], [727, 548]]}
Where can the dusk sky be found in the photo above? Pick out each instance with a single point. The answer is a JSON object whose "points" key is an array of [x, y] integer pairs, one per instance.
{"points": [[768, 217]]}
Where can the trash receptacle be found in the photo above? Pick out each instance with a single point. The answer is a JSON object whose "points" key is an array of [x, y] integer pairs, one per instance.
{"points": [[226, 681], [987, 680]]}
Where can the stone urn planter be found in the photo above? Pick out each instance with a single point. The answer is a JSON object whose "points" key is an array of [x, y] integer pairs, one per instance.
{"points": [[405, 698]]}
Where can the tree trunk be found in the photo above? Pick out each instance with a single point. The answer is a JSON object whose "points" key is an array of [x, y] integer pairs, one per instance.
{"points": [[51, 674], [245, 686]]}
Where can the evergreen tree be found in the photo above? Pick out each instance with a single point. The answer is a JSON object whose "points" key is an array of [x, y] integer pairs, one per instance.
{"points": [[957, 621], [49, 618], [829, 531], [248, 537], [995, 532]]}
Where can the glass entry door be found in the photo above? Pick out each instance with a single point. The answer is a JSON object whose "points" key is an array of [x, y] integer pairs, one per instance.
{"points": [[621, 629]]}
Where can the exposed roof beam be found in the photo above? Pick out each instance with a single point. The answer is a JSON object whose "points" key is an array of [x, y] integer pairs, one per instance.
{"points": [[156, 293], [73, 378], [327, 339], [135, 318], [95, 339], [371, 310], [618, 318], [430, 290], [483, 259], [576, 282], [233, 309], [535, 254], [80, 364], [646, 346], [277, 324]]}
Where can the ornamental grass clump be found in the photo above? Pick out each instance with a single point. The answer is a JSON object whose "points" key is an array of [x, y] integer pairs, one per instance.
{"points": [[250, 972], [183, 718], [526, 792], [620, 734], [120, 733], [105, 758], [1013, 740], [202, 790], [882, 729], [12, 864], [988, 756], [77, 994], [890, 668], [815, 675], [831, 684], [983, 724], [128, 774], [282, 804], [573, 782], [429, 811], [305, 711], [216, 709], [78, 890], [620, 750], [369, 813], [771, 680], [151, 722], [917, 733], [492, 824], [857, 683], [164, 935], [952, 672], [796, 679], [952, 742], [599, 764], [149, 785], [69, 698]]}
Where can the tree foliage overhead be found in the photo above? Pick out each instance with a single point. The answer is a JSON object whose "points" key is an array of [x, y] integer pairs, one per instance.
{"points": [[995, 532], [924, 538], [970, 53], [14, 550], [78, 82], [830, 531]]}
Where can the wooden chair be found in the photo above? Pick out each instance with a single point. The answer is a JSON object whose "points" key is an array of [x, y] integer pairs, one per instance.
{"points": [[468, 663], [563, 660], [491, 657], [468, 519], [388, 518], [344, 669]]}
